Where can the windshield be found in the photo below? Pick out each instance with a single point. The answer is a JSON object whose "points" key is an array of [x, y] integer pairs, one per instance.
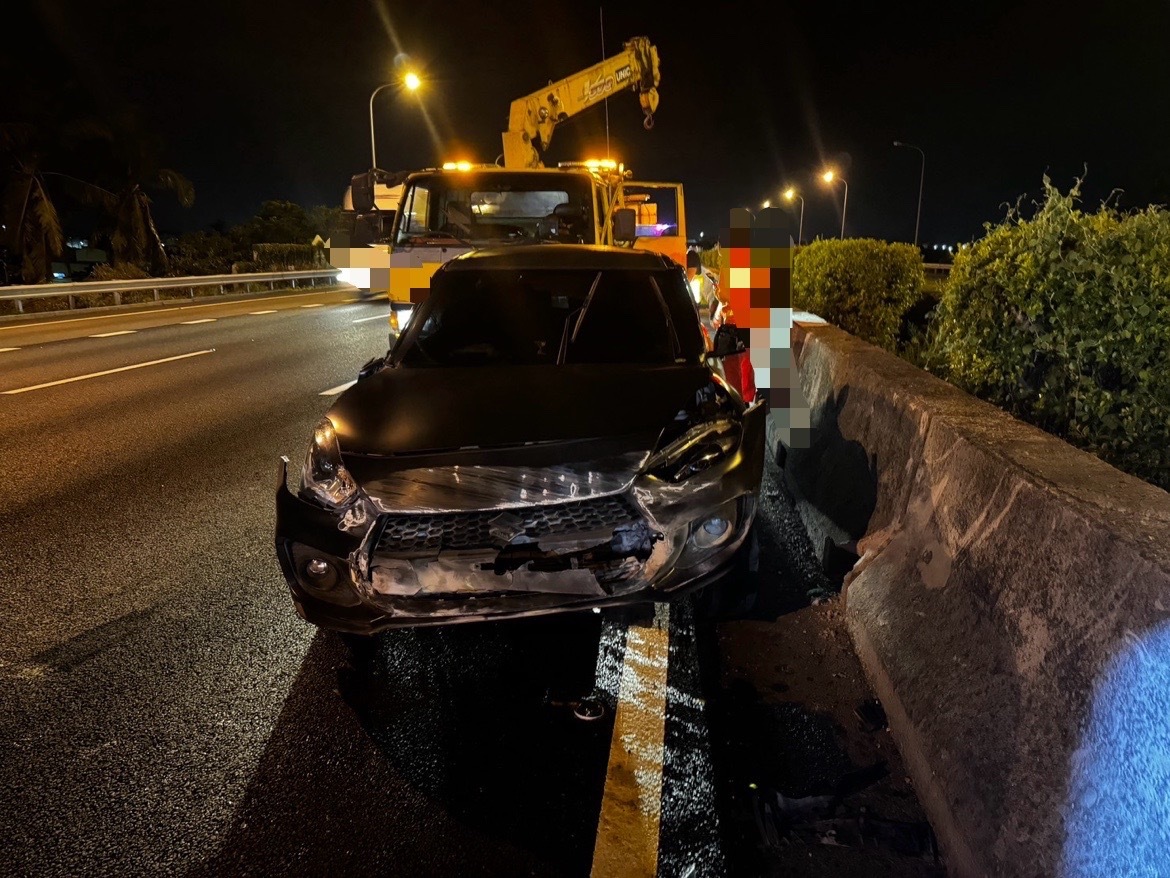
{"points": [[551, 317], [495, 208]]}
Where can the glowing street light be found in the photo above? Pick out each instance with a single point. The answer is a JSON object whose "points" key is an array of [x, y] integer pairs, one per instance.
{"points": [[411, 82], [767, 204], [789, 194], [829, 176]]}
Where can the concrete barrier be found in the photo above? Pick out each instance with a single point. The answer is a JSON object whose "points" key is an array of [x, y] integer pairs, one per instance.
{"points": [[1011, 605]]}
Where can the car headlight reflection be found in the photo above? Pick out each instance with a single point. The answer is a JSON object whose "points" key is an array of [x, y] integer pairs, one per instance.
{"points": [[696, 450], [324, 475]]}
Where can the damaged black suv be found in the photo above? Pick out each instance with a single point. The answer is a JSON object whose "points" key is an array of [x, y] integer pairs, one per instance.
{"points": [[549, 434]]}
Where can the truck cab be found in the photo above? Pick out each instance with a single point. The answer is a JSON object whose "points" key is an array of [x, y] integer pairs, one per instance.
{"points": [[447, 211]]}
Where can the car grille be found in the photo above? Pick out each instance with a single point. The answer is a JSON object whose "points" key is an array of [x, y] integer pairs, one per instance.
{"points": [[495, 527]]}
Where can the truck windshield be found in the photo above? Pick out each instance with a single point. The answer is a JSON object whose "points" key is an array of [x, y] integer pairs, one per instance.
{"points": [[552, 317], [489, 209]]}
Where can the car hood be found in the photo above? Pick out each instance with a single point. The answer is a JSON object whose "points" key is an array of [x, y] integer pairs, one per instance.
{"points": [[458, 439], [442, 411]]}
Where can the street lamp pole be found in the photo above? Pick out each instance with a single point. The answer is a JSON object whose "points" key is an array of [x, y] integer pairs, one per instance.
{"points": [[829, 177], [844, 205], [373, 146], [921, 181], [411, 81], [789, 194]]}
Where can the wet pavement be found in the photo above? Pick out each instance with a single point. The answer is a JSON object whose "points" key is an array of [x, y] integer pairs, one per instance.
{"points": [[164, 711]]}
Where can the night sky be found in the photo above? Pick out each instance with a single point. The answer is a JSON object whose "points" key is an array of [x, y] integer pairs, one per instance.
{"points": [[258, 101]]}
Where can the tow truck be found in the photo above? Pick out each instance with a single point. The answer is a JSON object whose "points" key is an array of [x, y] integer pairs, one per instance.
{"points": [[444, 211]]}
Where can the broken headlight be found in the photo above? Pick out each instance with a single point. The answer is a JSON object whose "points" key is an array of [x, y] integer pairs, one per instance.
{"points": [[697, 449], [324, 476]]}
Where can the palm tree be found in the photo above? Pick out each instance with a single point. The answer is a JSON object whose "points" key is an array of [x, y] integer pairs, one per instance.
{"points": [[128, 170], [31, 227], [135, 238]]}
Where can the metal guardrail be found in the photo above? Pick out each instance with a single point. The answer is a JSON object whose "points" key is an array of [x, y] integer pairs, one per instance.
{"points": [[71, 291], [937, 267]]}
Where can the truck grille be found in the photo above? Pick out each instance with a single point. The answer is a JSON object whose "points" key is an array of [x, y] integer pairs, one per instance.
{"points": [[495, 527]]}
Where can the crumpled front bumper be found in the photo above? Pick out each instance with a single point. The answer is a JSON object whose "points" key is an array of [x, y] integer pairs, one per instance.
{"points": [[343, 576]]}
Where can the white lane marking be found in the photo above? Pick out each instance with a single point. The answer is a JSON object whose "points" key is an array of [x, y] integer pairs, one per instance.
{"points": [[258, 313], [631, 806], [94, 317], [160, 310], [204, 320], [313, 305], [6, 350], [375, 317], [110, 334], [110, 371], [333, 391]]}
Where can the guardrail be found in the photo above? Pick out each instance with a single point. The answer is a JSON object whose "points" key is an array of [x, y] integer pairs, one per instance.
{"points": [[71, 291], [943, 268]]}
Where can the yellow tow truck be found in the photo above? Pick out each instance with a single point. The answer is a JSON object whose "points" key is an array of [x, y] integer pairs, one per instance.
{"points": [[460, 206]]}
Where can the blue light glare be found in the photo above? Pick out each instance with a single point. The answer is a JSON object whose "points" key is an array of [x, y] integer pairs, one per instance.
{"points": [[1117, 820]]}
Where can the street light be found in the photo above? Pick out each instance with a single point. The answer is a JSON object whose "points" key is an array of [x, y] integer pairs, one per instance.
{"points": [[790, 194], [829, 177], [921, 180], [412, 82], [767, 204]]}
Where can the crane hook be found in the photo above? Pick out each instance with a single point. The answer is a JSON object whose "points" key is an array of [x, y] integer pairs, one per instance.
{"points": [[648, 122]]}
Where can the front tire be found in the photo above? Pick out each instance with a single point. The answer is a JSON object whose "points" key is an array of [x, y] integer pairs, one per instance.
{"points": [[736, 594]]}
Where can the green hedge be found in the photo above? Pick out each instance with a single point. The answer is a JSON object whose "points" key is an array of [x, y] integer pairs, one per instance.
{"points": [[864, 286], [1063, 319], [279, 257]]}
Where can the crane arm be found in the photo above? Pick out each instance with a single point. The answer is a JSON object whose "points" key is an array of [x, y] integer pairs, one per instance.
{"points": [[534, 117]]}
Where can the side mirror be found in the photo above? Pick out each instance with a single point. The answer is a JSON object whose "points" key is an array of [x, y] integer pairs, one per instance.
{"points": [[726, 342], [361, 187], [372, 365], [625, 224]]}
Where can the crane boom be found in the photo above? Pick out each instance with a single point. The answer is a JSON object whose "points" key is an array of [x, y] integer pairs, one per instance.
{"points": [[533, 117]]}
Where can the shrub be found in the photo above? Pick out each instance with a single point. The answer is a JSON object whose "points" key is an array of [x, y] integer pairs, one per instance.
{"points": [[121, 271], [712, 258], [282, 257], [864, 286], [1064, 321], [206, 252]]}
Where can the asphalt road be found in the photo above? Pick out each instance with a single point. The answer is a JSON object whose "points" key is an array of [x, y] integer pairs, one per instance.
{"points": [[164, 711]]}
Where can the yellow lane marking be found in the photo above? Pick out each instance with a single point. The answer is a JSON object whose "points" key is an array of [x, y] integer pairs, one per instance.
{"points": [[631, 806]]}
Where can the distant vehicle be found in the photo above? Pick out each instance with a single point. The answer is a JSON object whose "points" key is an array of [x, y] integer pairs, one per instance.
{"points": [[550, 433]]}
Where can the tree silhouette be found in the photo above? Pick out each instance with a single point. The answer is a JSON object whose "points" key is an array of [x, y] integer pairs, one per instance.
{"points": [[32, 227]]}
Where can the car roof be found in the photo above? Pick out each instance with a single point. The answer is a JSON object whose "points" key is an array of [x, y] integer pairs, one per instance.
{"points": [[558, 256]]}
